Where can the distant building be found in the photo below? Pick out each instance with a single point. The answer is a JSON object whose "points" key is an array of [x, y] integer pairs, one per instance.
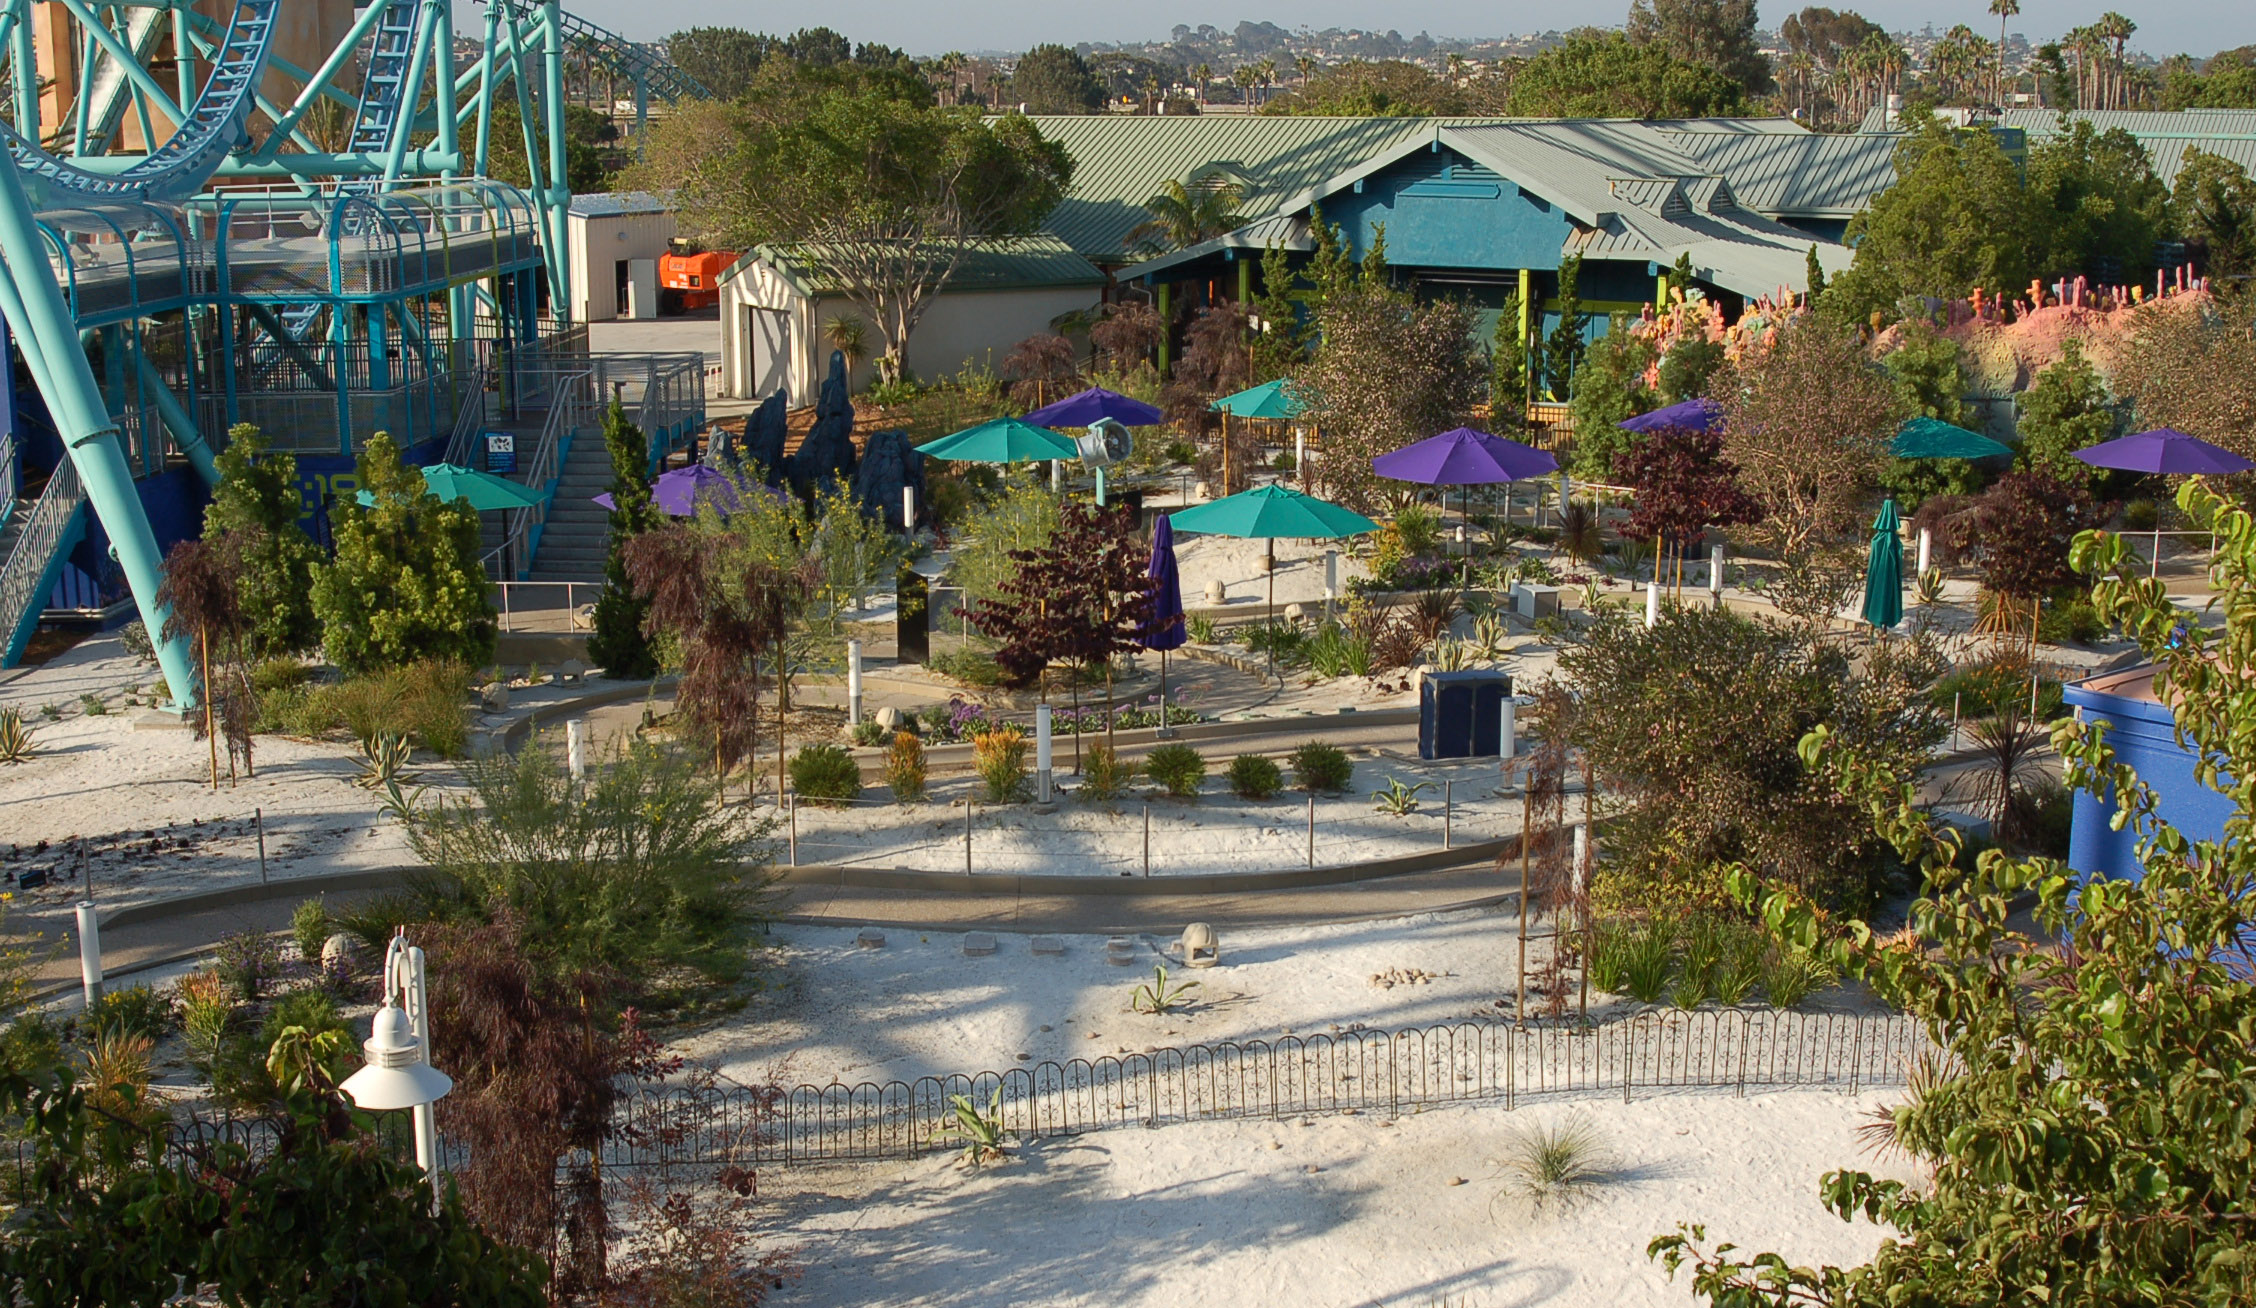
{"points": [[777, 307], [614, 238], [2166, 136]]}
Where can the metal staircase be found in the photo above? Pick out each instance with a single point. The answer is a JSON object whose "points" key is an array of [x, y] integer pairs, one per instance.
{"points": [[33, 542]]}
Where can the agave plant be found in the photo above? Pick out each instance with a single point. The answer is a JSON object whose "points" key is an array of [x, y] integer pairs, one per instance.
{"points": [[1491, 636], [1159, 998], [15, 737], [1927, 587], [383, 761], [981, 1133], [1398, 800]]}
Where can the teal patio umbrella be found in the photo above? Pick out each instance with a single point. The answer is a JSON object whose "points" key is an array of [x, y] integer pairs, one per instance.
{"points": [[1268, 400], [483, 491], [1002, 440], [1267, 512], [1883, 572], [1932, 438]]}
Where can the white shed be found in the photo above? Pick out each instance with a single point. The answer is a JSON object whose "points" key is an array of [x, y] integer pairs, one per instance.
{"points": [[610, 234], [776, 312]]}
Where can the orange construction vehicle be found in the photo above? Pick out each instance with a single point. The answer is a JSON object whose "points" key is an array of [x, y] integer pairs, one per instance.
{"points": [[690, 279]]}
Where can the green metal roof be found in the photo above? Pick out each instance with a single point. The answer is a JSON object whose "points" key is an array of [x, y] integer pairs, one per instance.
{"points": [[1121, 161], [1018, 263]]}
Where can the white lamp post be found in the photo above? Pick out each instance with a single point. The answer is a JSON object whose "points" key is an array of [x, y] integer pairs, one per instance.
{"points": [[398, 1073]]}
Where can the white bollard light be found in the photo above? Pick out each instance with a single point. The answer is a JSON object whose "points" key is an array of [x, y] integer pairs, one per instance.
{"points": [[575, 751], [1057, 476], [908, 509], [1331, 575], [1581, 857], [854, 682], [1652, 604], [89, 951], [1508, 729], [1300, 454], [1715, 570], [1926, 550], [1042, 785]]}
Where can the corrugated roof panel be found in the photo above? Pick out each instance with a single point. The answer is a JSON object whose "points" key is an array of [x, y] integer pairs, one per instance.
{"points": [[1027, 261], [612, 204], [1806, 176]]}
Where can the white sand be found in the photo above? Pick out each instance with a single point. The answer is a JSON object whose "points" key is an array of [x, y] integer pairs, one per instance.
{"points": [[919, 1006], [1349, 1210], [1218, 832]]}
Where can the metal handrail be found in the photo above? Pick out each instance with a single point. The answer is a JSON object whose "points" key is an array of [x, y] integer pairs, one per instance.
{"points": [[11, 477], [469, 418], [570, 405], [26, 567]]}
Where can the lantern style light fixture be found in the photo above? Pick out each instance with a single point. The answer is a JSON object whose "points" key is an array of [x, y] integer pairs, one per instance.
{"points": [[398, 1072]]}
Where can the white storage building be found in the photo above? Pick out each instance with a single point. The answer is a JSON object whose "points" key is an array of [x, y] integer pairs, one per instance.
{"points": [[617, 239], [776, 311]]}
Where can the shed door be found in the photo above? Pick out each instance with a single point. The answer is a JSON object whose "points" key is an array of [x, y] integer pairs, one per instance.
{"points": [[767, 337]]}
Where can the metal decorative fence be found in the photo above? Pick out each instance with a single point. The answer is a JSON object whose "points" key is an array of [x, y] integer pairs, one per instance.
{"points": [[1353, 1070]]}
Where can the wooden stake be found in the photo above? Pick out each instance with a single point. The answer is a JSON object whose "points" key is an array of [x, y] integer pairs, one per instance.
{"points": [[1527, 820]]}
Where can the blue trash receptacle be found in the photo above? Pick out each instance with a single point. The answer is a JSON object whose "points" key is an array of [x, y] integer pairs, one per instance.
{"points": [[1460, 714]]}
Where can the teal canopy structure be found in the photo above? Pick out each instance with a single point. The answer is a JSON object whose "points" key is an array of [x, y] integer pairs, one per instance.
{"points": [[1932, 438], [1883, 572], [1002, 440], [481, 490], [1268, 400], [1269, 511]]}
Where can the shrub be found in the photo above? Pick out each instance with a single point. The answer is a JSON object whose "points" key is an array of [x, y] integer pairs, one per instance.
{"points": [[1331, 652], [134, 636], [405, 583], [1789, 977], [1321, 766], [1181, 452], [135, 1011], [426, 702], [904, 767], [15, 737], [1645, 964], [868, 732], [999, 757], [971, 667], [1177, 767], [1609, 957], [1104, 774], [825, 772], [311, 926], [2070, 621], [1740, 970], [1201, 630], [248, 962], [2141, 515], [1254, 777]]}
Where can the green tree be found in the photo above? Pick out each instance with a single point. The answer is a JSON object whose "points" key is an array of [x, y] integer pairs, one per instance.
{"points": [[112, 1218], [2065, 410], [258, 499], [1605, 75], [1373, 88], [1508, 366], [1564, 347], [2095, 199], [406, 583], [1956, 218], [1022, 519], [1814, 273], [592, 154], [1717, 34], [2084, 1127], [877, 191], [723, 59], [1280, 343], [1387, 370], [620, 641], [1608, 388], [2213, 205], [1687, 367], [1052, 79]]}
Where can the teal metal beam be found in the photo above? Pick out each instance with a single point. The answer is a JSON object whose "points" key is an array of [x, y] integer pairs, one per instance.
{"points": [[99, 34], [34, 306], [185, 433], [26, 55], [559, 178], [338, 60]]}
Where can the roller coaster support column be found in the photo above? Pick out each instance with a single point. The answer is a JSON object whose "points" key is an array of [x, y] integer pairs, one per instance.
{"points": [[34, 306], [560, 185]]}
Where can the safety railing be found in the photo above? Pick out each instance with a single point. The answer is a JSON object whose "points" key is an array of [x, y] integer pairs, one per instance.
{"points": [[1144, 834], [11, 477], [23, 576], [1366, 1071], [551, 606], [470, 418], [664, 395], [572, 408]]}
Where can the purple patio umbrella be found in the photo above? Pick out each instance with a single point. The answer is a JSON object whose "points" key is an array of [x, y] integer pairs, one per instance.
{"points": [[1164, 628], [678, 493], [1693, 415], [2167, 451], [1465, 457], [1086, 408]]}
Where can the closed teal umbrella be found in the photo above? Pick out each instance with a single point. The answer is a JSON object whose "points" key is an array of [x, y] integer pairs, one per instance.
{"points": [[1883, 573]]}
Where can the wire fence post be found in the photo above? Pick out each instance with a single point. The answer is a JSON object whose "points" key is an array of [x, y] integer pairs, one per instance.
{"points": [[1147, 838], [968, 806], [791, 814], [258, 820], [1312, 829], [1448, 812]]}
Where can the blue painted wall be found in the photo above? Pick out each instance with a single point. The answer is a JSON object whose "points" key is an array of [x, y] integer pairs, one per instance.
{"points": [[2144, 734], [1442, 210]]}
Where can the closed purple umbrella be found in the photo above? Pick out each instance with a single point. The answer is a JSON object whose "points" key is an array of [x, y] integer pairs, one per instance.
{"points": [[1692, 415], [2165, 450], [1086, 408], [1164, 629]]}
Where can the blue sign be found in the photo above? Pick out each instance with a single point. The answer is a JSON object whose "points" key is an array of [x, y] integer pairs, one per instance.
{"points": [[501, 452]]}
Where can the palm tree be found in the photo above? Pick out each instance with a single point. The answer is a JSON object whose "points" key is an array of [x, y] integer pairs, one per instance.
{"points": [[1182, 216], [1266, 70], [848, 335], [2004, 9], [1244, 76], [1200, 74], [2116, 30], [1305, 65]]}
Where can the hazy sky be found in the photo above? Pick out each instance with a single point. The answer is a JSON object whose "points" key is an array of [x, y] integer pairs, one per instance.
{"points": [[2200, 27]]}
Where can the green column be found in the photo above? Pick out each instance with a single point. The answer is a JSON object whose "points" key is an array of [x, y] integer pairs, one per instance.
{"points": [[1245, 281], [1660, 293], [1165, 320]]}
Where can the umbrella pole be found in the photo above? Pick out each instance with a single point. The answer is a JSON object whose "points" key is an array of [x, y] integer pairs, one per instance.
{"points": [[1165, 731], [1272, 641]]}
